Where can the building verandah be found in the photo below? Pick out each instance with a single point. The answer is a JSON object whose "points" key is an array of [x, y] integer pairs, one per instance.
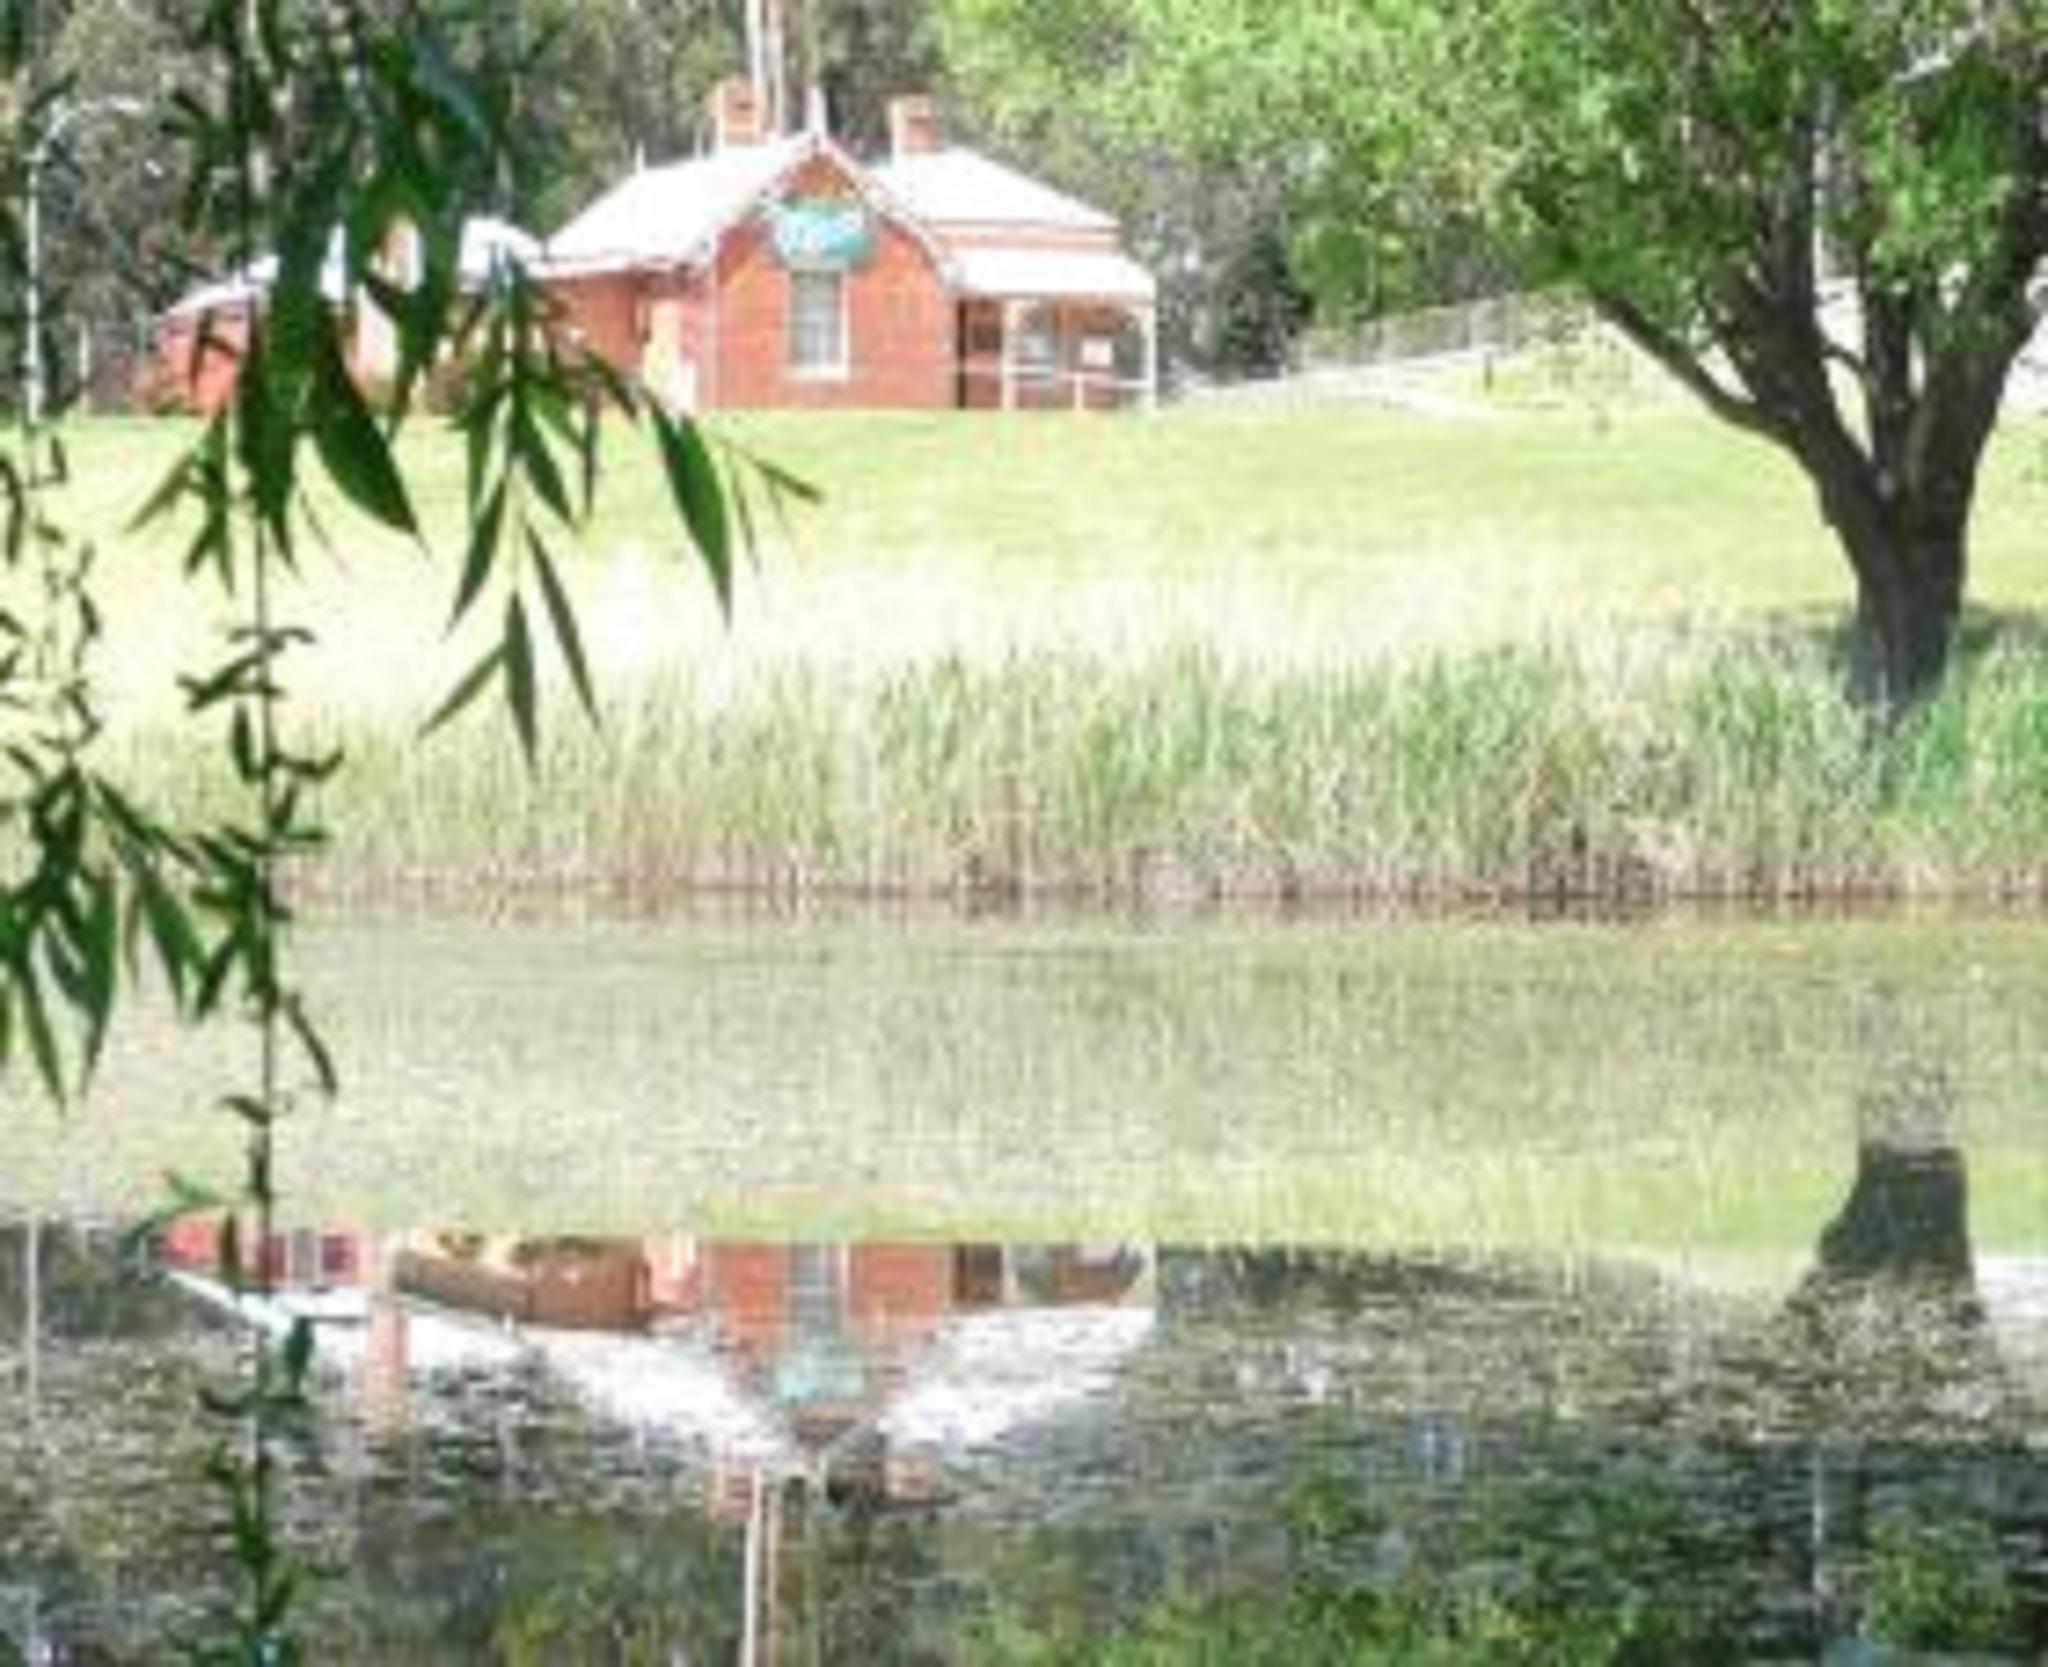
{"points": [[1026, 353]]}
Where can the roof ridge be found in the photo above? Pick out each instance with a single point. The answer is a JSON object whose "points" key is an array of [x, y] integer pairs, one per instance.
{"points": [[1045, 203]]}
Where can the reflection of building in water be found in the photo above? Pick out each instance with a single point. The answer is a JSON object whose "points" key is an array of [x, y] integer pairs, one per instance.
{"points": [[790, 1354], [1452, 1401], [813, 1375], [300, 1259]]}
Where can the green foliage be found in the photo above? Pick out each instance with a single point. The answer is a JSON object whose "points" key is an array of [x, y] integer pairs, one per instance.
{"points": [[1055, 86], [1620, 145], [1586, 1570], [1290, 97], [1939, 1580], [864, 53], [626, 80], [109, 248]]}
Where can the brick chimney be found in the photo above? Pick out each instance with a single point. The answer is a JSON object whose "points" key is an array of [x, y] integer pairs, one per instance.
{"points": [[913, 126], [736, 114]]}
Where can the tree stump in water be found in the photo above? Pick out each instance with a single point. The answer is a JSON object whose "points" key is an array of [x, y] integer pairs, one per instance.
{"points": [[1906, 1219], [1887, 1330]]}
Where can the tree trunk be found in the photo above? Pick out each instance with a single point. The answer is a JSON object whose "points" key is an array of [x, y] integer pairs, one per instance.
{"points": [[1908, 604], [1910, 562]]}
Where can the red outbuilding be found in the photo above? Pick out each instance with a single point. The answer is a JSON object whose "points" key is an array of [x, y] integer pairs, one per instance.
{"points": [[200, 340], [779, 270]]}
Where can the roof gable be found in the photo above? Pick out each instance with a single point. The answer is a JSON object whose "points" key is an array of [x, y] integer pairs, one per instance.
{"points": [[675, 215]]}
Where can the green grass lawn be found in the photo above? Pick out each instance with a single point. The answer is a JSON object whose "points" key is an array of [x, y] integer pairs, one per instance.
{"points": [[1284, 536]]}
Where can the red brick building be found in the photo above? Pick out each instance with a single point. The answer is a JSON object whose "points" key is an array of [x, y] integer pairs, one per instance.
{"points": [[199, 341], [779, 270]]}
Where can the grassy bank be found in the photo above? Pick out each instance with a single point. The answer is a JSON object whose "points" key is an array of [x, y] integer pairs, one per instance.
{"points": [[1282, 654]]}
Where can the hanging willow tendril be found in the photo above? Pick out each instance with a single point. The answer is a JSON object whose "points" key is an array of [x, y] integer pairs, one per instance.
{"points": [[343, 144], [87, 873]]}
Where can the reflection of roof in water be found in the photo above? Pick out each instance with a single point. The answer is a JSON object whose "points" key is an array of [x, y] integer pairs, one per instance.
{"points": [[1490, 1336], [979, 1376], [2015, 1294], [677, 1387], [990, 1372], [1003, 1338]]}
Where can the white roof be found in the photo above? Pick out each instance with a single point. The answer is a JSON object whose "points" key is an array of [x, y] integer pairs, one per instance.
{"points": [[253, 282], [959, 187], [1064, 274], [990, 1372], [485, 242], [669, 214], [672, 215]]}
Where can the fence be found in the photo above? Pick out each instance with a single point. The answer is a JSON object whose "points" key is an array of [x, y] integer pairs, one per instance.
{"points": [[98, 364], [984, 385], [1499, 324]]}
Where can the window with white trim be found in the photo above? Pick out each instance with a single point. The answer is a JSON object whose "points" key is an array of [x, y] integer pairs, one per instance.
{"points": [[817, 322], [1037, 344]]}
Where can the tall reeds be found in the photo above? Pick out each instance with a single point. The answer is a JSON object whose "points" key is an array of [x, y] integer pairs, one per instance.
{"points": [[1626, 766]]}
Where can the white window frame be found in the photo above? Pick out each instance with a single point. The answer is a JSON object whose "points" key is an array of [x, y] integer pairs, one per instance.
{"points": [[835, 370]]}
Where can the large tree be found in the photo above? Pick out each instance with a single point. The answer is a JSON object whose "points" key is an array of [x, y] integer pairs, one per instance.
{"points": [[1825, 217]]}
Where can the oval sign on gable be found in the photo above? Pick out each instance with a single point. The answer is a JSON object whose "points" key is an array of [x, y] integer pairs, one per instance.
{"points": [[821, 233]]}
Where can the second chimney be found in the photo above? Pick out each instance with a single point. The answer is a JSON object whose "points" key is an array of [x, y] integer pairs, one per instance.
{"points": [[735, 114], [913, 126]]}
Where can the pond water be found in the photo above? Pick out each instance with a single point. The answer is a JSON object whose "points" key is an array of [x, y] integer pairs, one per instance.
{"points": [[939, 1291]]}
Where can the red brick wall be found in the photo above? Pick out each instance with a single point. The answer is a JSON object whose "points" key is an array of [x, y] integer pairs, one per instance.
{"points": [[892, 1287], [192, 377], [900, 324], [602, 312], [198, 358], [747, 1287]]}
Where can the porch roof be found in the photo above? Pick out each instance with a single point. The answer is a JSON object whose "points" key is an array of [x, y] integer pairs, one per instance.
{"points": [[1028, 274]]}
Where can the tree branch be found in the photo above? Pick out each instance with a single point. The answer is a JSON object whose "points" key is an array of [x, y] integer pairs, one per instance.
{"points": [[1682, 362], [1888, 385], [1847, 357]]}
